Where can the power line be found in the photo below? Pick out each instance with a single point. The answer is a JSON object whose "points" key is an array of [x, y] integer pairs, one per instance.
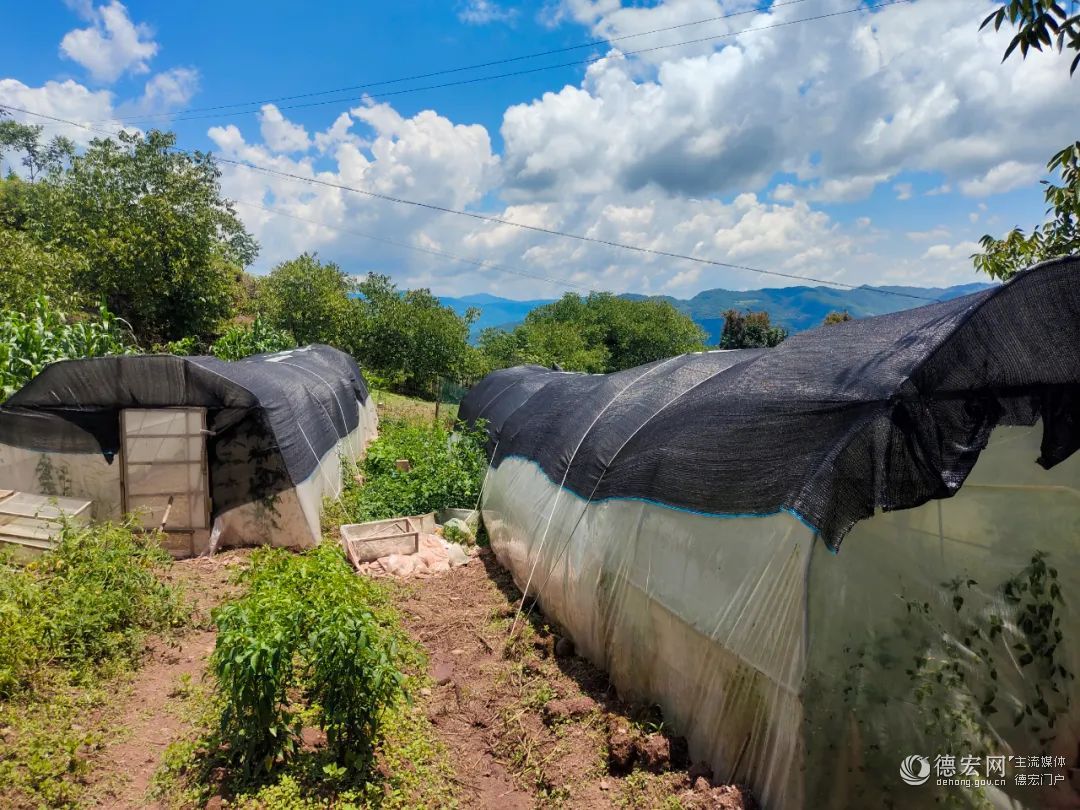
{"points": [[511, 223], [562, 282], [527, 71], [563, 234], [475, 66]]}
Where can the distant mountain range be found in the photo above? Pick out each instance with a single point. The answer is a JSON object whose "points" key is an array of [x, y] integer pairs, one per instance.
{"points": [[795, 308]]}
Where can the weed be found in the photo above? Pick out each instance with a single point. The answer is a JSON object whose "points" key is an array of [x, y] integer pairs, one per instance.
{"points": [[76, 617], [445, 470]]}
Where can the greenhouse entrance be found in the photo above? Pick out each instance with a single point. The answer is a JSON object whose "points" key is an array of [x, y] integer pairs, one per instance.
{"points": [[165, 468]]}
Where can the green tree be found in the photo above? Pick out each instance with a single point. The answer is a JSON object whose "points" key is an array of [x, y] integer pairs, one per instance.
{"points": [[1039, 24], [163, 248], [837, 317], [597, 333], [308, 299], [38, 158], [409, 338], [750, 330]]}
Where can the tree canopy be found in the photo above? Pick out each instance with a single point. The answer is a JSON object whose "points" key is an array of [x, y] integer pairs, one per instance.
{"points": [[750, 330], [157, 241], [1039, 24], [600, 332]]}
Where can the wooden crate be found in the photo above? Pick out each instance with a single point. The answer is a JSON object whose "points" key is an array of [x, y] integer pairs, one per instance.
{"points": [[29, 523], [364, 542]]}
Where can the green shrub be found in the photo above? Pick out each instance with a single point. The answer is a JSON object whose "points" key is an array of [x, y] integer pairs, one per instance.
{"points": [[243, 340], [31, 340], [308, 631], [85, 606], [445, 471]]}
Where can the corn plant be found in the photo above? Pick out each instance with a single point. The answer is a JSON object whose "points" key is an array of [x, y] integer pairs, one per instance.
{"points": [[29, 341], [244, 340]]}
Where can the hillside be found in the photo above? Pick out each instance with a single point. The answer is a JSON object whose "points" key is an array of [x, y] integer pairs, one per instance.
{"points": [[795, 308]]}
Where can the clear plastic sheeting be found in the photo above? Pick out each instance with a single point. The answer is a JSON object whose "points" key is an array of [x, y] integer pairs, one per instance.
{"points": [[250, 447], [681, 521], [794, 669]]}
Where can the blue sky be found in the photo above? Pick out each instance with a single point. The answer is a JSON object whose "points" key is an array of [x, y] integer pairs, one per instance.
{"points": [[867, 147]]}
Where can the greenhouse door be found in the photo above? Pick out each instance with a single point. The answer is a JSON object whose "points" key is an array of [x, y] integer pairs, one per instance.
{"points": [[164, 467]]}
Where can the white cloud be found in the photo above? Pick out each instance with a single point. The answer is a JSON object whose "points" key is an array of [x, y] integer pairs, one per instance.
{"points": [[961, 250], [903, 191], [69, 100], [280, 134], [482, 12], [843, 103], [933, 234], [112, 45], [169, 90], [1003, 177]]}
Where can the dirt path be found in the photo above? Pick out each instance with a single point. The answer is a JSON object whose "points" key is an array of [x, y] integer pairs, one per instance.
{"points": [[527, 722], [145, 718]]}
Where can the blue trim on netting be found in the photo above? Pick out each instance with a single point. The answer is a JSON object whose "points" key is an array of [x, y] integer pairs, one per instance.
{"points": [[652, 502]]}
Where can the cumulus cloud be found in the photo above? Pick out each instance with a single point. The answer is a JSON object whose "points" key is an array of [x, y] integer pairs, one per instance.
{"points": [[169, 90], [961, 250], [280, 134], [843, 104], [1003, 177], [112, 45], [482, 12], [69, 100]]}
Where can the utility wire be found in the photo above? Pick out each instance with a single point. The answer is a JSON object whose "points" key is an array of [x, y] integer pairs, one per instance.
{"points": [[527, 71], [563, 234], [511, 223], [560, 282], [475, 66]]}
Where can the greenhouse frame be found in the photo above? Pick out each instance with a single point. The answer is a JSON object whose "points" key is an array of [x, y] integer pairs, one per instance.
{"points": [[829, 562], [218, 453]]}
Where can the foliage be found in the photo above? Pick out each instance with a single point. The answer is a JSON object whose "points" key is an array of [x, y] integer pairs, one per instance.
{"points": [[750, 330], [160, 245], [445, 471], [243, 340], [84, 606], [414, 768], [597, 333], [184, 347], [37, 158], [837, 317], [28, 270], [32, 339], [1039, 23], [309, 299], [308, 627], [409, 335], [1059, 236]]}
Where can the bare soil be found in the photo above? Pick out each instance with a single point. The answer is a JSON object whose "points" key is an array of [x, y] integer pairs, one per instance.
{"points": [[144, 716], [527, 723]]}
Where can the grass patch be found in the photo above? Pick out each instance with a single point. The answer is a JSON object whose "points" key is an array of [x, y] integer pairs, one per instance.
{"points": [[71, 624], [397, 407]]}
